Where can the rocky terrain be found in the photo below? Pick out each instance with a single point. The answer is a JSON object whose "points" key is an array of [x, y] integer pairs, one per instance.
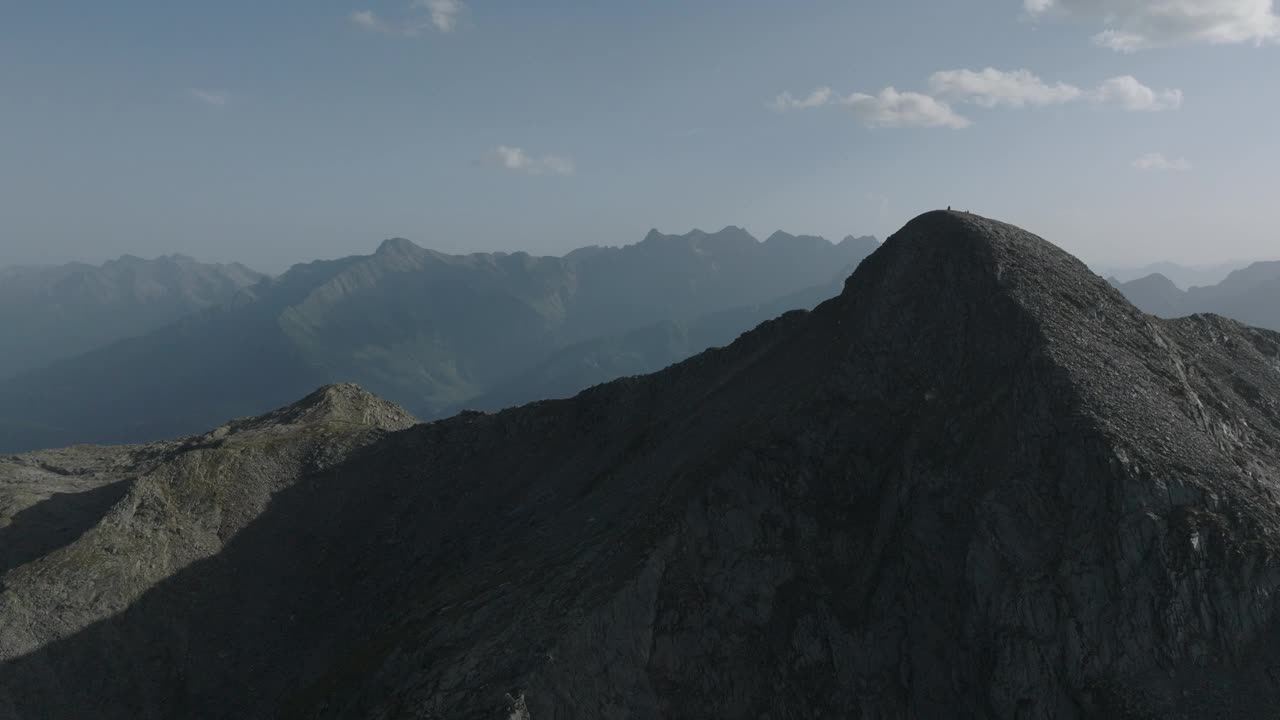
{"points": [[427, 330], [977, 483], [54, 312]]}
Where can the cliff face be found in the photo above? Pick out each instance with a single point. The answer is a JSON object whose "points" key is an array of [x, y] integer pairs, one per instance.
{"points": [[978, 483]]}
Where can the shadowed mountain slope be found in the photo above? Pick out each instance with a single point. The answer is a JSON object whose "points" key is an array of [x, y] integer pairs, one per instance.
{"points": [[978, 483], [54, 312], [427, 330]]}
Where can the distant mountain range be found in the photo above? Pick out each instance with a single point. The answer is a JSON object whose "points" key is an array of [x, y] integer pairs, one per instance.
{"points": [[53, 312], [429, 331], [1250, 295], [1184, 276]]}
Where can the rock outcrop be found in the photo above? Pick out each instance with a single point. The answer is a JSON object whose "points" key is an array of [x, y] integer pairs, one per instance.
{"points": [[978, 483]]}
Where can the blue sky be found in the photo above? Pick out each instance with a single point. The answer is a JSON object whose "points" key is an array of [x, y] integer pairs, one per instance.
{"points": [[284, 131]]}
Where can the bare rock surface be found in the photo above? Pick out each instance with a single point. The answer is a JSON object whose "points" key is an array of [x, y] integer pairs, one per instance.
{"points": [[978, 483]]}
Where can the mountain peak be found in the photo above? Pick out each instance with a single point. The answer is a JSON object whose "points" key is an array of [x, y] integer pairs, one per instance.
{"points": [[398, 246], [952, 284], [343, 403], [963, 252], [787, 239]]}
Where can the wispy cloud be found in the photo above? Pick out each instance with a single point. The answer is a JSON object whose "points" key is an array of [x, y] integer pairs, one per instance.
{"points": [[1022, 88], [1132, 25], [443, 13], [517, 160], [421, 16], [888, 108], [992, 88], [1157, 162], [369, 20], [212, 98], [989, 88], [819, 97]]}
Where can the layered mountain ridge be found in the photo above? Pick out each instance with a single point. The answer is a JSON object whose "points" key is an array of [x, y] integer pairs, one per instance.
{"points": [[425, 329], [55, 312], [977, 483]]}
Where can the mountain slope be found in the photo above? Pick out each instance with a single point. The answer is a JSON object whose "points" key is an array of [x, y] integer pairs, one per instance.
{"points": [[49, 313], [1250, 295], [427, 330], [976, 484]]}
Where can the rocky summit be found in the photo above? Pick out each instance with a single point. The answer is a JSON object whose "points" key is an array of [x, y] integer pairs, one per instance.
{"points": [[977, 483]]}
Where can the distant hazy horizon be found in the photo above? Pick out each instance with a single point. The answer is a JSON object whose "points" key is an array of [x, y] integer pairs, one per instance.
{"points": [[1128, 133], [1124, 270]]}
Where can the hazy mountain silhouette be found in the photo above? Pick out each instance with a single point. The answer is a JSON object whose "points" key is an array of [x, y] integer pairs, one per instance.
{"points": [[1250, 295], [54, 312], [425, 329], [1183, 276], [977, 483]]}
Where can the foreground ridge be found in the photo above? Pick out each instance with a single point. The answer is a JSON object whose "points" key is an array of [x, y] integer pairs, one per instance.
{"points": [[977, 483]]}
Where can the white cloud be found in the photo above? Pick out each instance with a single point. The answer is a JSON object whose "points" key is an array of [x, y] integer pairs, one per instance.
{"points": [[517, 160], [212, 98], [1131, 25], [1130, 94], [991, 88], [819, 97], [1020, 88], [891, 108], [1157, 162], [442, 15]]}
